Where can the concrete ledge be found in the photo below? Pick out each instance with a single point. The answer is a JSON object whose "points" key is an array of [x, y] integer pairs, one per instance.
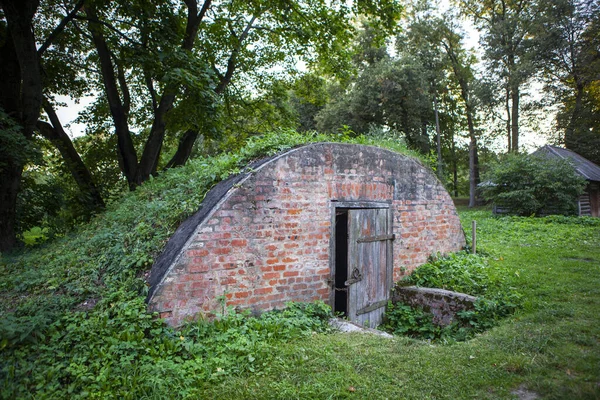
{"points": [[443, 304]]}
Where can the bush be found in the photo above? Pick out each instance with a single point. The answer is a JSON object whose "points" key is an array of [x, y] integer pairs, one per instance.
{"points": [[460, 272], [533, 185]]}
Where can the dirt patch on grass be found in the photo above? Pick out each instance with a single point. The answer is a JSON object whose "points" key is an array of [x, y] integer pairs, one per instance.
{"points": [[524, 394]]}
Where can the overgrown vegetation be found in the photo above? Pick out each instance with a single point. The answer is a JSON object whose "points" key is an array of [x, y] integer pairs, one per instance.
{"points": [[73, 311], [526, 185], [121, 352], [460, 272]]}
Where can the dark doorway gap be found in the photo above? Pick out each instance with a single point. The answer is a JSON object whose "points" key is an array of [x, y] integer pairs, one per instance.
{"points": [[341, 262]]}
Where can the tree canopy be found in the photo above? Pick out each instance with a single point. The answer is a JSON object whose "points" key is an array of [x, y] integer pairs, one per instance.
{"points": [[170, 80]]}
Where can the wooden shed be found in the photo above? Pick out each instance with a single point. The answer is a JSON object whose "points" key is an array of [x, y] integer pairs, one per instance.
{"points": [[326, 221], [589, 201]]}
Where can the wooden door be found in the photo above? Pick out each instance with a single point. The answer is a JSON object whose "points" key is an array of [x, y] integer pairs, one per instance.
{"points": [[369, 264]]}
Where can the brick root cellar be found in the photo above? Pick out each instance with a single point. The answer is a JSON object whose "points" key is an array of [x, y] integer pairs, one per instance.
{"points": [[327, 221]]}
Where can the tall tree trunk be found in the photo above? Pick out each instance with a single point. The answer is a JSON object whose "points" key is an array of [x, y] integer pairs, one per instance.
{"points": [[473, 161], [151, 153], [56, 134], [454, 168], [515, 118], [570, 137], [10, 181], [462, 77], [508, 119], [440, 173], [21, 99], [19, 15], [126, 149]]}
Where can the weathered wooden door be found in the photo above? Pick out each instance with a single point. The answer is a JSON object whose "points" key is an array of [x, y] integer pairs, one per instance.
{"points": [[369, 264]]}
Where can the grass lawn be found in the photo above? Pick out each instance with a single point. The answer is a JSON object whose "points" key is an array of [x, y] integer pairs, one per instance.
{"points": [[550, 348]]}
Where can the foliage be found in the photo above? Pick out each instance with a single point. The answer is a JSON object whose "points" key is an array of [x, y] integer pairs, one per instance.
{"points": [[458, 272], [402, 319], [533, 185], [119, 351], [74, 321], [566, 50], [13, 145]]}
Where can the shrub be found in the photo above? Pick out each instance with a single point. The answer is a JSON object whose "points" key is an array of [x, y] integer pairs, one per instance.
{"points": [[533, 185], [460, 272]]}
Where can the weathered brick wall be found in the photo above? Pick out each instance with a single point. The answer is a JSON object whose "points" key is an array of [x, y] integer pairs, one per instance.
{"points": [[267, 240]]}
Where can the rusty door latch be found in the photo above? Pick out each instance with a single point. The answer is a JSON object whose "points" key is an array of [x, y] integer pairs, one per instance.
{"points": [[355, 277]]}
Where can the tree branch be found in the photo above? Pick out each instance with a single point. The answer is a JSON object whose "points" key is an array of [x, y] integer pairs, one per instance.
{"points": [[60, 27], [232, 62], [193, 22], [124, 87], [95, 19], [81, 174]]}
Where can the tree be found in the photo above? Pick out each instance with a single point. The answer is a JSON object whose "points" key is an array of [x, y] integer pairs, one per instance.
{"points": [[461, 67], [436, 41], [220, 41], [567, 51], [506, 26], [533, 185], [149, 59], [22, 98]]}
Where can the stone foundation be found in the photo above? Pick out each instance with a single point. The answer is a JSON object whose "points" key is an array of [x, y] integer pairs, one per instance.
{"points": [[443, 304]]}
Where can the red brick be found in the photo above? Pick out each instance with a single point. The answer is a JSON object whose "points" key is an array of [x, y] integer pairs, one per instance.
{"points": [[290, 273], [299, 286], [241, 295], [227, 281], [197, 253], [271, 275], [195, 268], [262, 291]]}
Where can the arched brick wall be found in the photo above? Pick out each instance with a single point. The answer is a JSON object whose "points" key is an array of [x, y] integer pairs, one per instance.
{"points": [[263, 237]]}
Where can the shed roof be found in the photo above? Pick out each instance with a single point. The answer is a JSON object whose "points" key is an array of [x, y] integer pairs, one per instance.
{"points": [[584, 167]]}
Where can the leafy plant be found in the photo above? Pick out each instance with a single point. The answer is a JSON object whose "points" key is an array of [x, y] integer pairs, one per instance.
{"points": [[533, 185], [402, 319]]}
